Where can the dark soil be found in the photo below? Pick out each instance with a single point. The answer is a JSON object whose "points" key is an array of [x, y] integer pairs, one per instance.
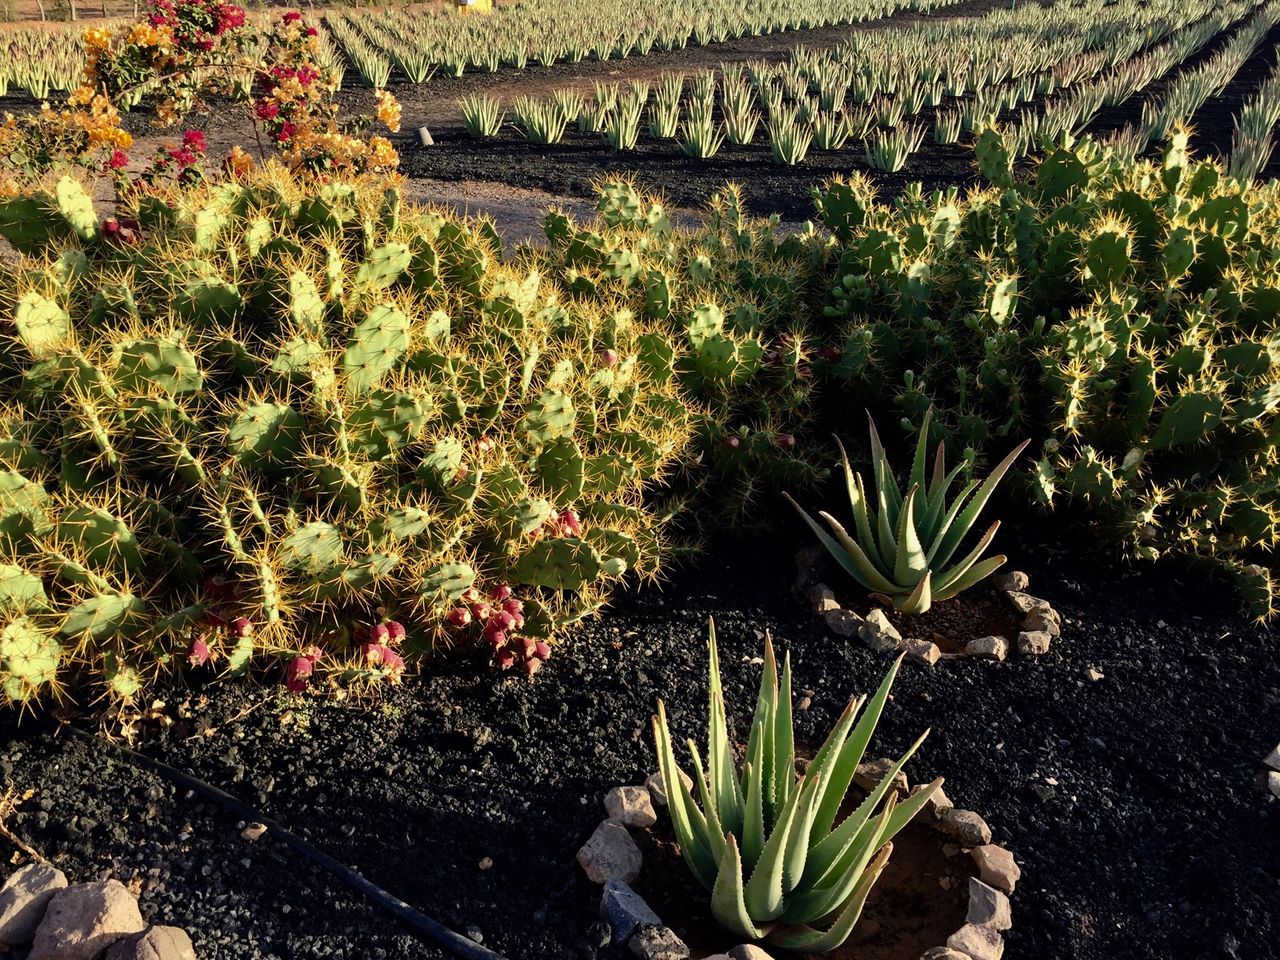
{"points": [[1131, 801]]}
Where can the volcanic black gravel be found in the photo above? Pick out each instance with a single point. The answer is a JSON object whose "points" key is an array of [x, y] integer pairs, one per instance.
{"points": [[1131, 802]]}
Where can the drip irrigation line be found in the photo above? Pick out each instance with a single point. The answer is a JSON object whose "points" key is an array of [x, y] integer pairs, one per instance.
{"points": [[432, 930]]}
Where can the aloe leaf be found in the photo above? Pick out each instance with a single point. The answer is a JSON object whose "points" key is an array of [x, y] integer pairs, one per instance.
{"points": [[753, 817], [830, 896], [813, 941], [728, 904], [842, 556], [911, 563], [693, 843], [784, 746], [952, 539], [885, 481], [764, 889], [826, 854], [851, 755], [977, 573], [958, 570], [797, 846], [728, 792], [888, 545], [865, 564], [919, 600], [922, 452], [715, 831]]}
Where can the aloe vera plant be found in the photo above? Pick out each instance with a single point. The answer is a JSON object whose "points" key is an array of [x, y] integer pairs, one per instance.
{"points": [[905, 542], [763, 840]]}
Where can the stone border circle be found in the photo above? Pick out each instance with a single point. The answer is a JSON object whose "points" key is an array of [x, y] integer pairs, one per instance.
{"points": [[612, 858], [1041, 624]]}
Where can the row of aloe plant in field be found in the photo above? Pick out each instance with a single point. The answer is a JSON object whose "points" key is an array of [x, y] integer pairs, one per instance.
{"points": [[965, 71], [546, 32], [41, 60]]}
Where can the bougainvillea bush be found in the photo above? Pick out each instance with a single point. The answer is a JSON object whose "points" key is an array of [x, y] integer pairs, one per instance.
{"points": [[273, 422]]}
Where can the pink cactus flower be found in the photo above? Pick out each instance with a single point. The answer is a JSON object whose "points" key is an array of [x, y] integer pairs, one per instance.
{"points": [[569, 523]]}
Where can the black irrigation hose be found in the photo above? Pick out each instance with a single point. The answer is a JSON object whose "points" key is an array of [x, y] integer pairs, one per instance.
{"points": [[433, 930]]}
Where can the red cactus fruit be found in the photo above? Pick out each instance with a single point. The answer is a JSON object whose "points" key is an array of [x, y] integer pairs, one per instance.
{"points": [[505, 659], [242, 627], [609, 357], [459, 616], [542, 650], [532, 666], [380, 633], [198, 653], [786, 441], [298, 674], [501, 593]]}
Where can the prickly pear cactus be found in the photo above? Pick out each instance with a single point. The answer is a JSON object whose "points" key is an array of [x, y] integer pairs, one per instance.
{"points": [[275, 411]]}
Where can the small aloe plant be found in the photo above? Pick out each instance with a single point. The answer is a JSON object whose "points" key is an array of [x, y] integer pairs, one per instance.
{"points": [[904, 544], [765, 841]]}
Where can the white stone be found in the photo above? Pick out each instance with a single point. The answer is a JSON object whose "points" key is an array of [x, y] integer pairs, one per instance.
{"points": [[632, 805], [988, 907], [843, 623], [425, 138], [821, 599], [996, 867], [253, 831], [657, 943], [749, 951], [155, 943], [936, 805], [989, 648], [1046, 619], [1273, 783], [966, 826], [1024, 603], [658, 789], [1094, 674], [1015, 581], [980, 943], [610, 854], [1272, 759], [84, 920], [878, 633], [624, 910], [923, 651], [869, 774], [1034, 642], [24, 899]]}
